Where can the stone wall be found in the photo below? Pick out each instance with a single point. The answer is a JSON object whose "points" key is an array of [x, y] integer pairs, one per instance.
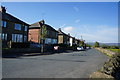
{"points": [[112, 66]]}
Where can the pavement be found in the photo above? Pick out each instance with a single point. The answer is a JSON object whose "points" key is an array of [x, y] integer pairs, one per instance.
{"points": [[77, 64]]}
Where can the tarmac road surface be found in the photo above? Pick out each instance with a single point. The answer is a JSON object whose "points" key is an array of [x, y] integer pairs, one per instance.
{"points": [[77, 64]]}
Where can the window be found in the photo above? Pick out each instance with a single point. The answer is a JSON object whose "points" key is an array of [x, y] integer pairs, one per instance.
{"points": [[14, 38], [17, 26], [0, 23], [26, 28], [17, 38], [48, 41], [0, 35], [4, 36], [25, 38], [54, 41], [4, 23]]}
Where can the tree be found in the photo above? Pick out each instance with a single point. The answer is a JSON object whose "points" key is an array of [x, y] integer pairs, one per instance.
{"points": [[88, 45], [82, 43], [43, 34], [96, 44], [105, 46]]}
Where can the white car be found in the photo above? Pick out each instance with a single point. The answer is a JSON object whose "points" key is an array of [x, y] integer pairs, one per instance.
{"points": [[80, 48]]}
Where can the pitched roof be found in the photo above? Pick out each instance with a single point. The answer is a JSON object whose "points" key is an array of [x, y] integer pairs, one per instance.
{"points": [[50, 28], [9, 17], [38, 24]]}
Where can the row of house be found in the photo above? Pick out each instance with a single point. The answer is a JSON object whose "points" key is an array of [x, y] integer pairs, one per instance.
{"points": [[52, 37], [16, 30]]}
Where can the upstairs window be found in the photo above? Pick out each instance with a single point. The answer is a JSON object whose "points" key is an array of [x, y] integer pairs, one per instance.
{"points": [[17, 26], [4, 24], [26, 28]]}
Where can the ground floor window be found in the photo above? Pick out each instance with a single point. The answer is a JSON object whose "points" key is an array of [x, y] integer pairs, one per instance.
{"points": [[17, 38], [54, 41], [25, 38], [0, 35], [50, 41], [3, 36]]}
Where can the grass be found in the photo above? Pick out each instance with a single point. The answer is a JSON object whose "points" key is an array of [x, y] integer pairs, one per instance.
{"points": [[115, 50]]}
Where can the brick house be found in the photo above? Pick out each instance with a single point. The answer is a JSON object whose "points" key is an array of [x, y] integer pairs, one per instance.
{"points": [[62, 37], [13, 29], [35, 30]]}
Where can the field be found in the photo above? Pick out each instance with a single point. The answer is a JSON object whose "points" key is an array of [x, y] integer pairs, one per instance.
{"points": [[115, 50]]}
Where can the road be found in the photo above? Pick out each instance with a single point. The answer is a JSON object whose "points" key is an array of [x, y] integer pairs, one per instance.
{"points": [[78, 64]]}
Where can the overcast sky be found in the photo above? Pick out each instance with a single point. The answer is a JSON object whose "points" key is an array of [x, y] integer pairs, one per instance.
{"points": [[94, 21]]}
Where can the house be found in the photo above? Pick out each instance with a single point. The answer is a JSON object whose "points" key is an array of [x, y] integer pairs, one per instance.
{"points": [[35, 31], [13, 29], [62, 37]]}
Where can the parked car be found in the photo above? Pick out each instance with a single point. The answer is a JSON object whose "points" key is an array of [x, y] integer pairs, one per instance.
{"points": [[80, 48]]}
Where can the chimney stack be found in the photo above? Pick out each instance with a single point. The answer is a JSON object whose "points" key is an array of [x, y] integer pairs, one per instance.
{"points": [[68, 34], [3, 9], [59, 29], [42, 21]]}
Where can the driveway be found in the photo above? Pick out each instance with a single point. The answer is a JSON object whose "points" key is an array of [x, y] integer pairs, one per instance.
{"points": [[78, 64]]}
